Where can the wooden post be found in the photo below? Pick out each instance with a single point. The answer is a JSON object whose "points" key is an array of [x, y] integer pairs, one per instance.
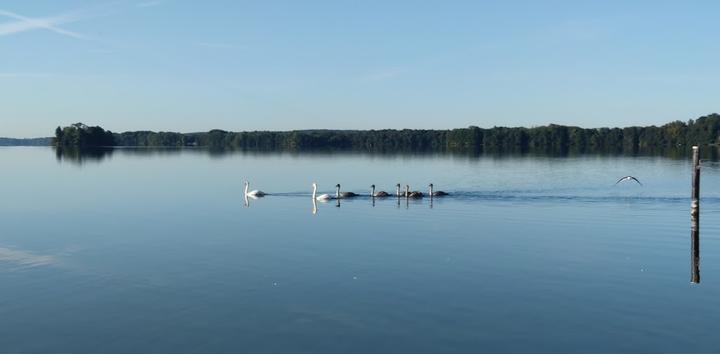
{"points": [[695, 219]]}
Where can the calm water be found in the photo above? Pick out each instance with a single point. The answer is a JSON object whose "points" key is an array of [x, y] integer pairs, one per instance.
{"points": [[156, 252]]}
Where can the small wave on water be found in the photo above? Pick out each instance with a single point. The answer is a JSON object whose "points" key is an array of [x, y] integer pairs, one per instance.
{"points": [[537, 196], [534, 196]]}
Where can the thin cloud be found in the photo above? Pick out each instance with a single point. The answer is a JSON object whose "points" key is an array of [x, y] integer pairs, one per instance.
{"points": [[24, 75], [149, 3], [41, 75], [385, 75], [217, 45], [24, 24], [26, 259], [101, 51], [585, 30]]}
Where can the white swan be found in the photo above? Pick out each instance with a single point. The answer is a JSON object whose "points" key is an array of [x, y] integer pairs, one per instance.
{"points": [[321, 197], [253, 194], [397, 190]]}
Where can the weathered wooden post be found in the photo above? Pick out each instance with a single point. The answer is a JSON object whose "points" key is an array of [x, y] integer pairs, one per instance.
{"points": [[695, 219]]}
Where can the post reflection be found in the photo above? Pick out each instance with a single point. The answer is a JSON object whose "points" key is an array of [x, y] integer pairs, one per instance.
{"points": [[695, 249]]}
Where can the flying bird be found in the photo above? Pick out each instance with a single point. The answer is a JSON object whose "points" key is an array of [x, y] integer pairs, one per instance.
{"points": [[628, 178]]}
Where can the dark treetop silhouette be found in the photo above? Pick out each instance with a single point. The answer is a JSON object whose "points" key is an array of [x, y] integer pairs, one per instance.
{"points": [[552, 138]]}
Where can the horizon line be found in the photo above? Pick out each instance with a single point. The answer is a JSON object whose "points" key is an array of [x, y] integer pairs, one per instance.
{"points": [[359, 130]]}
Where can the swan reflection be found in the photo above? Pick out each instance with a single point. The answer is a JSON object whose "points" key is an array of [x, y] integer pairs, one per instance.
{"points": [[247, 198]]}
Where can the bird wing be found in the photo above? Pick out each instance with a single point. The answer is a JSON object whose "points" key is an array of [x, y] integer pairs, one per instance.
{"points": [[636, 180], [629, 178]]}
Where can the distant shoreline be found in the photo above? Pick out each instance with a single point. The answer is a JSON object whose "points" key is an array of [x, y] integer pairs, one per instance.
{"points": [[551, 138], [26, 142]]}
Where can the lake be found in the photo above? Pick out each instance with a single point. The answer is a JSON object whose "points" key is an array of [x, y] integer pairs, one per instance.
{"points": [[156, 251]]}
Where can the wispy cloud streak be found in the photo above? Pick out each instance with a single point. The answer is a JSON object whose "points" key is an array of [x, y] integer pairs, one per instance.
{"points": [[26, 259], [385, 75], [149, 3], [217, 45], [24, 24], [24, 75]]}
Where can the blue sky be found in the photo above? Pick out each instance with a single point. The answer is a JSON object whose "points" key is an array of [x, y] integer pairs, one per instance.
{"points": [[252, 65]]}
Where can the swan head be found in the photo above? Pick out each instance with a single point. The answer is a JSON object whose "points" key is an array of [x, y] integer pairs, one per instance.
{"points": [[314, 184], [430, 185], [337, 185], [373, 186], [397, 185]]}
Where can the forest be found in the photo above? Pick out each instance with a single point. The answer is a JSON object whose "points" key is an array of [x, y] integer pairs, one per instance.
{"points": [[549, 139]]}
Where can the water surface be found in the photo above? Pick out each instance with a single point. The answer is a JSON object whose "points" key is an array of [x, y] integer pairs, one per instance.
{"points": [[155, 251]]}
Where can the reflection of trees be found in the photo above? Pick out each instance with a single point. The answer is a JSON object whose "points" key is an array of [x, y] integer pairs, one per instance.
{"points": [[152, 152], [80, 155]]}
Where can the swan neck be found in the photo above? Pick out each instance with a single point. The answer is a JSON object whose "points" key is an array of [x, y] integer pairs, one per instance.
{"points": [[247, 186]]}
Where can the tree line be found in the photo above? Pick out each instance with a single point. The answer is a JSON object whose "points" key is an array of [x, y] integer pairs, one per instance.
{"points": [[549, 139]]}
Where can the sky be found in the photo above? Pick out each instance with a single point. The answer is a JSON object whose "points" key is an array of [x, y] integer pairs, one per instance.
{"points": [[188, 66]]}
